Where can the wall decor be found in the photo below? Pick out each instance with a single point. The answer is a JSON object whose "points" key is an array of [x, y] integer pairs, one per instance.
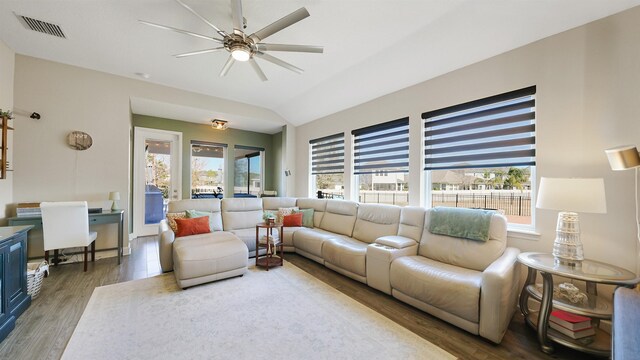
{"points": [[79, 140], [5, 116]]}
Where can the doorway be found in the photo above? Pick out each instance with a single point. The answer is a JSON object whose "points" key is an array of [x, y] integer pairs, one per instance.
{"points": [[156, 177], [249, 174]]}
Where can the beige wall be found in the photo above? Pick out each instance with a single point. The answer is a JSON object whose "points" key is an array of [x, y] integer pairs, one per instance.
{"points": [[7, 63], [71, 98], [588, 99]]}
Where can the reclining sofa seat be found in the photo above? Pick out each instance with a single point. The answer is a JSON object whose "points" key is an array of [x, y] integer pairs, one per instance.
{"points": [[308, 241], [471, 284], [347, 252], [167, 236], [240, 216]]}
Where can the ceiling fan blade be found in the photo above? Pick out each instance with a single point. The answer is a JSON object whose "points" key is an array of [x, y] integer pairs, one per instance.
{"points": [[199, 52], [221, 32], [181, 31], [273, 28], [285, 47], [236, 14], [279, 62], [227, 66], [256, 67]]}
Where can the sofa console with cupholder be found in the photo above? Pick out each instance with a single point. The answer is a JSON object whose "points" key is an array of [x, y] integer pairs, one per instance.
{"points": [[468, 283]]}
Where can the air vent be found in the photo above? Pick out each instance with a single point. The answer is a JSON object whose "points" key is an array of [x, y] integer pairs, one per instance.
{"points": [[41, 26]]}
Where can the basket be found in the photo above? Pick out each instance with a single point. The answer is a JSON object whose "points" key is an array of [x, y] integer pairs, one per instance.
{"points": [[35, 274]]}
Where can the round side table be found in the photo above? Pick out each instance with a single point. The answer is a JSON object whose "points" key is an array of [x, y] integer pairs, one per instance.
{"points": [[274, 245], [597, 307]]}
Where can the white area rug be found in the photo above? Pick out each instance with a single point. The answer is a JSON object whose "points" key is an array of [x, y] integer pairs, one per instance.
{"points": [[281, 314]]}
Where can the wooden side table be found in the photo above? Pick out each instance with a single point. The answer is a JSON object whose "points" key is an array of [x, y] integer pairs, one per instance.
{"points": [[274, 246], [597, 307]]}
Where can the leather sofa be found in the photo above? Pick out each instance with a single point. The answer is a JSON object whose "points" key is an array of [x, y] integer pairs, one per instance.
{"points": [[470, 284]]}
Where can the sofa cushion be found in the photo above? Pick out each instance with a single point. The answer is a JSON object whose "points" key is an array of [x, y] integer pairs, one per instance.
{"points": [[311, 240], [171, 219], [471, 254], [376, 220], [346, 253], [307, 217], [339, 217], [318, 206], [282, 212], [241, 213], [449, 288], [210, 205], [411, 222], [215, 219], [206, 254], [274, 203], [195, 226], [292, 220], [248, 236]]}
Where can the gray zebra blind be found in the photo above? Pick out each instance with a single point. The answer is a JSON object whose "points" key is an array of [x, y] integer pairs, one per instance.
{"points": [[382, 148], [496, 131], [327, 154]]}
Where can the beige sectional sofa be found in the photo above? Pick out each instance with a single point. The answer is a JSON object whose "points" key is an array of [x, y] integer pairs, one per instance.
{"points": [[471, 284]]}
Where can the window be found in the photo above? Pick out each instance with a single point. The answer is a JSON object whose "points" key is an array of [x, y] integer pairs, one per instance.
{"points": [[207, 169], [248, 171], [327, 166], [481, 154], [381, 162]]}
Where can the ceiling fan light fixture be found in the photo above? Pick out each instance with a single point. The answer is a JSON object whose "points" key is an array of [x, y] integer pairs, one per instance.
{"points": [[241, 52], [219, 124]]}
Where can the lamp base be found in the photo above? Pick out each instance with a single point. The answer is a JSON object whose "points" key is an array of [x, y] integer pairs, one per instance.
{"points": [[567, 247], [114, 206]]}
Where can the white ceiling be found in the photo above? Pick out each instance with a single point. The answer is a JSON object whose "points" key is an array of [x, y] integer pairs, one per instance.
{"points": [[372, 47]]}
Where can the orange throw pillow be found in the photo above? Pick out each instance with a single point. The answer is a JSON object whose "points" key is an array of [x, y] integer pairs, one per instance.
{"points": [[194, 226], [292, 220]]}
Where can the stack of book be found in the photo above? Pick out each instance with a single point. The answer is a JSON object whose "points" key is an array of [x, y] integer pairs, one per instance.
{"points": [[28, 209], [572, 325]]}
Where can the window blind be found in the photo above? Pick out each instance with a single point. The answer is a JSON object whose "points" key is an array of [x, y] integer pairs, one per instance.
{"points": [[327, 155], [495, 131], [382, 148]]}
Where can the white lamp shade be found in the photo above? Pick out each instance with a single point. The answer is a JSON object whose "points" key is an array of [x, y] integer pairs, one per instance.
{"points": [[573, 194], [623, 157], [114, 195]]}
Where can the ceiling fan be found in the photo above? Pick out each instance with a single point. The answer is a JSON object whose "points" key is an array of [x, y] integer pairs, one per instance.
{"points": [[243, 47]]}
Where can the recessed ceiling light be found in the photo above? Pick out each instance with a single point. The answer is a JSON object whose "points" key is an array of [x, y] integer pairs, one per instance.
{"points": [[143, 75]]}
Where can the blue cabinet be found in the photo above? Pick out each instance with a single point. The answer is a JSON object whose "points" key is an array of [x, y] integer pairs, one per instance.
{"points": [[13, 276]]}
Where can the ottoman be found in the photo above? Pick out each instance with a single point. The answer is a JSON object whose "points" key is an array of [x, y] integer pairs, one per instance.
{"points": [[198, 259]]}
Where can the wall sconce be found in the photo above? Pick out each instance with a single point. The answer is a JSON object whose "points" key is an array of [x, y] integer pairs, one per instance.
{"points": [[219, 124]]}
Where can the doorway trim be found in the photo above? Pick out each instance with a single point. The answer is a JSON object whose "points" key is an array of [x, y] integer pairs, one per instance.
{"points": [[140, 136]]}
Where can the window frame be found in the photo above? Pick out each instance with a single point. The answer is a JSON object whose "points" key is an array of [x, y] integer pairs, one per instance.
{"points": [[224, 161]]}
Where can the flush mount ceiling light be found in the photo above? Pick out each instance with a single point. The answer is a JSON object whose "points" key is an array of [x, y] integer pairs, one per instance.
{"points": [[219, 124], [243, 46]]}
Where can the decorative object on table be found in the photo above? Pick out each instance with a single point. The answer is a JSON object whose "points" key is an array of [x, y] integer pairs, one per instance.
{"points": [[625, 158], [79, 140], [570, 196], [35, 274], [269, 216], [219, 124], [28, 209], [569, 292], [115, 197]]}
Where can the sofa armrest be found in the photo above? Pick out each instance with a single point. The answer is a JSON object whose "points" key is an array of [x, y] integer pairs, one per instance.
{"points": [[626, 316], [166, 246], [498, 295], [396, 242]]}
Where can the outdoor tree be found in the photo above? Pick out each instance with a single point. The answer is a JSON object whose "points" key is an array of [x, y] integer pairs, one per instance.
{"points": [[159, 172], [516, 178]]}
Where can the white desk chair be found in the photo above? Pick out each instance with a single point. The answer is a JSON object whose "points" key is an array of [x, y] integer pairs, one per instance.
{"points": [[66, 225]]}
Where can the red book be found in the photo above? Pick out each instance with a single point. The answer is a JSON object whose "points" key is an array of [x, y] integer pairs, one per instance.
{"points": [[570, 321], [579, 334]]}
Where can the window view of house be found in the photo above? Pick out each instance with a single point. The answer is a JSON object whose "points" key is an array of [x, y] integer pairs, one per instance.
{"points": [[327, 167], [381, 162], [157, 179], [248, 172], [481, 154], [207, 170]]}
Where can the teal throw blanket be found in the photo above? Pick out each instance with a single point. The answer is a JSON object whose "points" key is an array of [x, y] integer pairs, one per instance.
{"points": [[464, 223]]}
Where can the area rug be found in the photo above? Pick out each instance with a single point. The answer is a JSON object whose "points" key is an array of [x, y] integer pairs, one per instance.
{"points": [[284, 313]]}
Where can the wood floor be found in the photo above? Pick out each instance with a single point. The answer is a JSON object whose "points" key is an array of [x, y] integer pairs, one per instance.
{"points": [[43, 331]]}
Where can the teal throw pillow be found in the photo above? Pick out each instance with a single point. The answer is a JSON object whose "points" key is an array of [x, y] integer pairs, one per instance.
{"points": [[307, 217], [196, 214]]}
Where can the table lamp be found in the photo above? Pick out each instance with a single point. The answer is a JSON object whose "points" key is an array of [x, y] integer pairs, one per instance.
{"points": [[115, 196], [570, 196]]}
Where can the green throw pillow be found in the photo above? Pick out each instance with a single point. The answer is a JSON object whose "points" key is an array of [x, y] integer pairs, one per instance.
{"points": [[196, 214], [307, 217]]}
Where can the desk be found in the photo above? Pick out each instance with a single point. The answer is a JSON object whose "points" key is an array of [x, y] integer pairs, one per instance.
{"points": [[105, 217]]}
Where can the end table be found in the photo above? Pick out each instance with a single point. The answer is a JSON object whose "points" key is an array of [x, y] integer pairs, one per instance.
{"points": [[597, 307], [273, 244]]}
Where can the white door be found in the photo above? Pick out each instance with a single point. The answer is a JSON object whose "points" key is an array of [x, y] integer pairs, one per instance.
{"points": [[157, 179]]}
